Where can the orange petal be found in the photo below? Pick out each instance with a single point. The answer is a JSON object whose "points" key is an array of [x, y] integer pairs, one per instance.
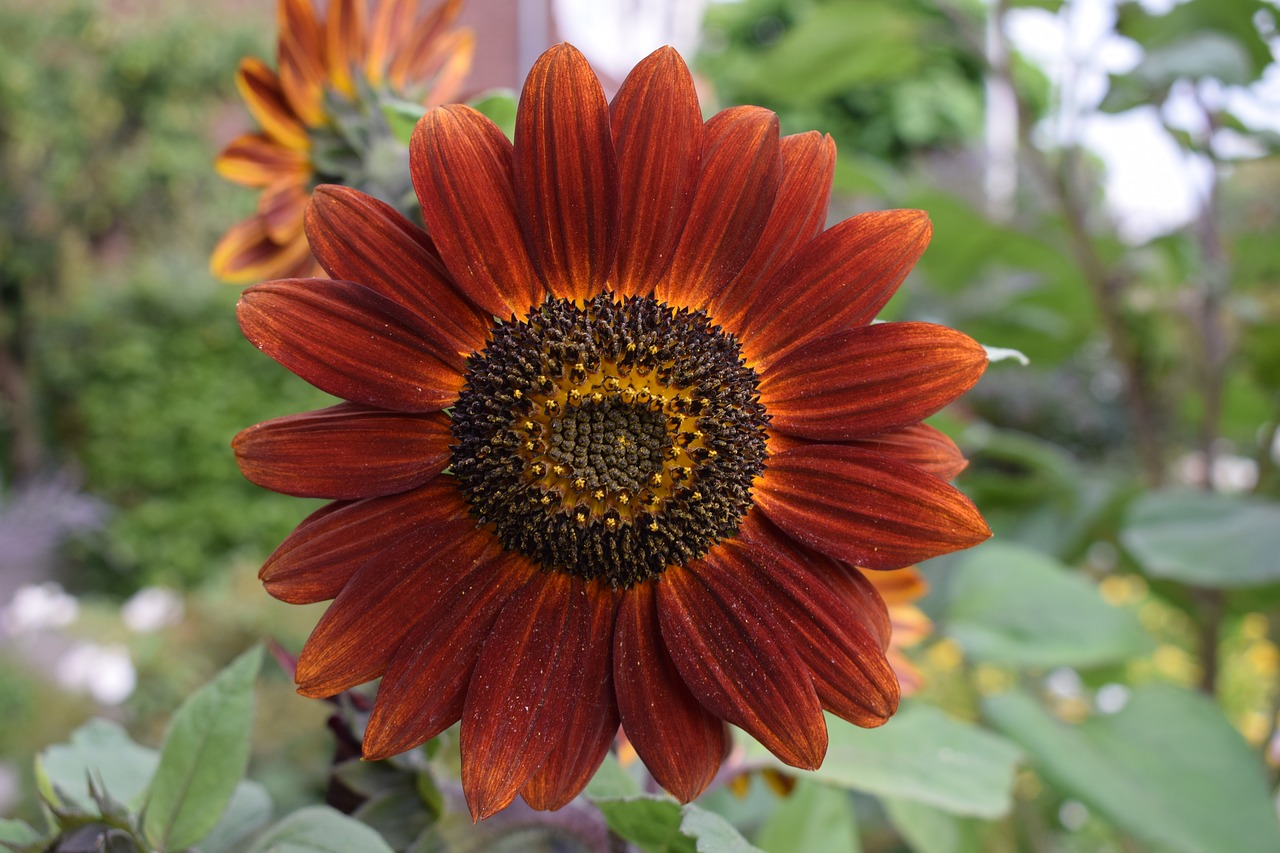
{"points": [[920, 445], [738, 661], [344, 452], [359, 238], [425, 686], [657, 130], [799, 214], [300, 48], [247, 253], [591, 728], [281, 207], [417, 46], [344, 27], [868, 510], [349, 341], [403, 567], [450, 63], [899, 587], [462, 171], [850, 673], [681, 743], [256, 160], [736, 191], [566, 174], [869, 380], [526, 685], [262, 93], [392, 20], [837, 281]]}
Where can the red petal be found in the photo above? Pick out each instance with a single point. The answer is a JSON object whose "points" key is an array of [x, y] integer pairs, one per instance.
{"points": [[281, 206], [657, 130], [735, 193], [865, 509], [300, 48], [247, 253], [736, 660], [566, 176], [850, 673], [317, 559], [920, 445], [358, 238], [462, 171], [256, 160], [837, 281], [593, 724], [344, 452], [262, 93], [524, 690], [681, 743], [799, 214], [424, 688], [349, 341], [408, 562], [869, 380]]}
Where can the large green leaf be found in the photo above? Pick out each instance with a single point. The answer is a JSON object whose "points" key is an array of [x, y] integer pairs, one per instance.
{"points": [[204, 757], [1013, 605], [815, 818], [1168, 768], [248, 812], [921, 754], [928, 830], [1205, 539], [100, 749], [319, 829]]}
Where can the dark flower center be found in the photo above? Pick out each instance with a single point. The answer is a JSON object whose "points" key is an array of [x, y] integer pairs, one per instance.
{"points": [[610, 440]]}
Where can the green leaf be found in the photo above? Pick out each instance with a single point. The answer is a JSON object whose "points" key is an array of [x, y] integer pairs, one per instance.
{"points": [[402, 117], [204, 756], [816, 818], [1205, 539], [19, 835], [500, 106], [712, 833], [612, 782], [1015, 606], [928, 830], [920, 754], [651, 823], [248, 811], [1168, 768], [319, 829], [101, 749]]}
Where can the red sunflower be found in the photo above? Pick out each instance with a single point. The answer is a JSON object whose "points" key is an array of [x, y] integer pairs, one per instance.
{"points": [[335, 69], [638, 494]]}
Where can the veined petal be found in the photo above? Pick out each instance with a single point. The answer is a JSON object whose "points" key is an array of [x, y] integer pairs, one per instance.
{"points": [[920, 445], [281, 207], [850, 673], [799, 214], [256, 160], [263, 95], [736, 191], [416, 561], [868, 380], [300, 48], [566, 174], [344, 37], [247, 253], [839, 280], [350, 342], [736, 659], [593, 723], [524, 689], [344, 452], [657, 131], [868, 510], [681, 743], [358, 238], [462, 171], [306, 568], [424, 688]]}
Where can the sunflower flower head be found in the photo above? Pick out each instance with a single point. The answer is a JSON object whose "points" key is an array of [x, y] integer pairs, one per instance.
{"points": [[618, 431], [323, 115]]}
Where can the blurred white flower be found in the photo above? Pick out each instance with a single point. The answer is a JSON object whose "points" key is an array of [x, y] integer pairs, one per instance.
{"points": [[1111, 698], [152, 608], [104, 672], [37, 607]]}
